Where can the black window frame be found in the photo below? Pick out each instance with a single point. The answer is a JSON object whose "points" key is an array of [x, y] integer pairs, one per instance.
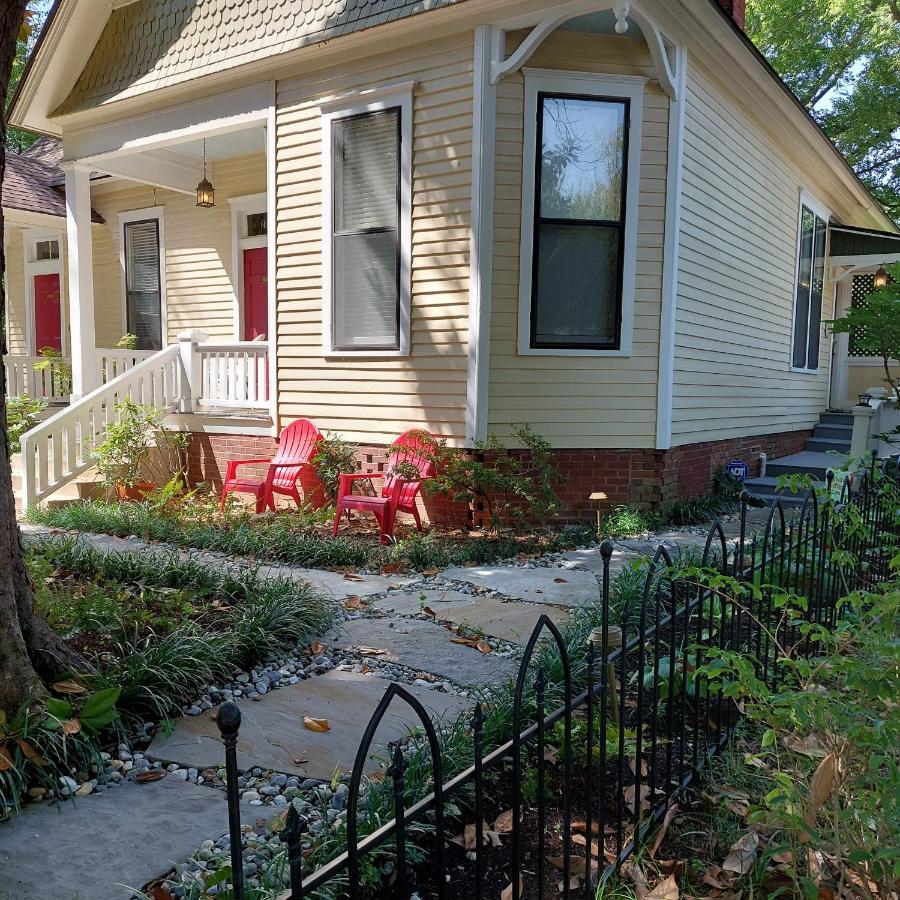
{"points": [[336, 158], [129, 320], [538, 220]]}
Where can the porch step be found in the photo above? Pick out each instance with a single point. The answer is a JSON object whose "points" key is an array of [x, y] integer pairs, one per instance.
{"points": [[835, 417], [83, 487], [829, 430], [824, 444], [766, 488], [808, 462]]}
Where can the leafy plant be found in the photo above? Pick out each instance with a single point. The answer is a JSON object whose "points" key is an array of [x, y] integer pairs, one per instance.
{"points": [[138, 447], [22, 414], [513, 487], [60, 371], [625, 522], [128, 341], [333, 457]]}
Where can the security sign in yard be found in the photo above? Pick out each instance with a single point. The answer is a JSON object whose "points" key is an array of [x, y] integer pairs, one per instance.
{"points": [[738, 469]]}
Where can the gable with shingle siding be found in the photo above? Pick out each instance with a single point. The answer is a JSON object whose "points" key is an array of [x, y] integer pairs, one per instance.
{"points": [[147, 45]]}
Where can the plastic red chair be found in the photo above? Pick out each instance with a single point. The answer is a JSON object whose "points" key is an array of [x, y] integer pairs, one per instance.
{"points": [[296, 448], [398, 492]]}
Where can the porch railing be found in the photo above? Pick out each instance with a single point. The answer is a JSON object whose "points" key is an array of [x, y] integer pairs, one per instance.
{"points": [[112, 362], [234, 376], [23, 380]]}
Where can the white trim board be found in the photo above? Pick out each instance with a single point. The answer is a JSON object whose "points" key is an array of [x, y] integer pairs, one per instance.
{"points": [[30, 237], [589, 84], [378, 100], [139, 215], [240, 208]]}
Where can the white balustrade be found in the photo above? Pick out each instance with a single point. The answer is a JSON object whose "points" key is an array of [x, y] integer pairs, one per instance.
{"points": [[23, 380], [234, 376], [60, 448], [112, 362]]}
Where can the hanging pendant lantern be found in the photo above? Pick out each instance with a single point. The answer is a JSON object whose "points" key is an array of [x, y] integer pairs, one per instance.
{"points": [[881, 278], [206, 194]]}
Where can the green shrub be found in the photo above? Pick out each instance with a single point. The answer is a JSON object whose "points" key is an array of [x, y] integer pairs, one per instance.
{"points": [[22, 414], [625, 522], [333, 457]]}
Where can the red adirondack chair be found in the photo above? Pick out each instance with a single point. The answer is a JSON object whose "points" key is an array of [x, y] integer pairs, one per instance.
{"points": [[398, 493], [296, 448]]}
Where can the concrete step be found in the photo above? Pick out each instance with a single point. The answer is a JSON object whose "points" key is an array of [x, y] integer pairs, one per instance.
{"points": [[841, 432], [809, 462], [836, 418], [766, 488], [824, 444]]}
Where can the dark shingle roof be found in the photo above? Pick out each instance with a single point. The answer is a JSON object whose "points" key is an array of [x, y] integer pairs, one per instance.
{"points": [[30, 182]]}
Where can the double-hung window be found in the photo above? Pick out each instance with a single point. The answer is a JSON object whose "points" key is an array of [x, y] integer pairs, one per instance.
{"points": [[808, 290], [579, 213], [367, 228], [142, 261]]}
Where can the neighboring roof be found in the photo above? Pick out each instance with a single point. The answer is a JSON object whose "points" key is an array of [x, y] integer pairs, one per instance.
{"points": [[146, 45], [30, 179], [848, 241]]}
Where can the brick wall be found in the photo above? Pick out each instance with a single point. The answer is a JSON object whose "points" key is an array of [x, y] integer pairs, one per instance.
{"points": [[640, 477]]}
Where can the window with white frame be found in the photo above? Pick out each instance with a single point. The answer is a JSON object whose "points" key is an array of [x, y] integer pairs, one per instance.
{"points": [[142, 262], [579, 223], [366, 244], [810, 281]]}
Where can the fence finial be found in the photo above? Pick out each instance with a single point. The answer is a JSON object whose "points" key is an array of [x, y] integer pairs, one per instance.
{"points": [[606, 549]]}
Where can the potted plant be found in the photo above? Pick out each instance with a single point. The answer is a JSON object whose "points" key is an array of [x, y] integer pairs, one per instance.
{"points": [[876, 330], [139, 453]]}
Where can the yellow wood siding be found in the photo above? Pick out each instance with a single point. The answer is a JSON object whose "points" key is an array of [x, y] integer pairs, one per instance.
{"points": [[739, 218], [578, 401], [198, 247], [861, 378], [372, 399]]}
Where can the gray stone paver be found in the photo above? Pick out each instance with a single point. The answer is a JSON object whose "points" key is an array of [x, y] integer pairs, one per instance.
{"points": [[422, 646], [591, 560], [272, 733], [126, 835], [538, 585], [410, 603]]}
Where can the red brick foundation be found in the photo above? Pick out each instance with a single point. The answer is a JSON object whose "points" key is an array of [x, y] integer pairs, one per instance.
{"points": [[643, 478]]}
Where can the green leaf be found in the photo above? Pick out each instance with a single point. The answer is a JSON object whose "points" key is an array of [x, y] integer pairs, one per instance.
{"points": [[60, 709], [768, 739], [100, 703], [217, 877]]}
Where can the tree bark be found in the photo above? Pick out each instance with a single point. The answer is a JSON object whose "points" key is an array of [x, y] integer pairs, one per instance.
{"points": [[31, 653]]}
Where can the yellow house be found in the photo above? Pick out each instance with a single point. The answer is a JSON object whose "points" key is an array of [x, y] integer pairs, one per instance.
{"points": [[609, 220]]}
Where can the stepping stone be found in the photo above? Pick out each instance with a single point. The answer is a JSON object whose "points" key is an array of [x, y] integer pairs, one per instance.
{"points": [[334, 583], [422, 646], [273, 736], [126, 835], [539, 585], [590, 560], [510, 621]]}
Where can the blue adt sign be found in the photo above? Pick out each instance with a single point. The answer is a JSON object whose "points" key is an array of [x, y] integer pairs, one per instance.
{"points": [[738, 469]]}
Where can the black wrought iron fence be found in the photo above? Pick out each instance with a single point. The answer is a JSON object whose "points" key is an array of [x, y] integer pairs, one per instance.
{"points": [[603, 733]]}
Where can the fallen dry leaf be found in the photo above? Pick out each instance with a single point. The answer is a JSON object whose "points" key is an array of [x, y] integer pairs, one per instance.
{"points": [[581, 841], [355, 603], [6, 761], [469, 642], [429, 612], [484, 647], [394, 568], [316, 724], [808, 746], [31, 754], [300, 760], [551, 755], [630, 798], [69, 687], [560, 581], [819, 791], [352, 576], [377, 776], [316, 648], [507, 892], [152, 775], [716, 878], [742, 855], [581, 825], [430, 573], [660, 835], [636, 874], [503, 824], [71, 726], [370, 651], [84, 789], [577, 864], [665, 890]]}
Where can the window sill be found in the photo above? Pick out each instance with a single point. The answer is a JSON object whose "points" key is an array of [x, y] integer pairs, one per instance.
{"points": [[624, 352], [805, 371], [366, 354]]}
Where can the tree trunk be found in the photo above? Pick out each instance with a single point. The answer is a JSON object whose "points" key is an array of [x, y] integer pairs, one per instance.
{"points": [[30, 651]]}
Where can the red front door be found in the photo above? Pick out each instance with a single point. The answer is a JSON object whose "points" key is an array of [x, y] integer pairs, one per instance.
{"points": [[256, 302], [47, 320]]}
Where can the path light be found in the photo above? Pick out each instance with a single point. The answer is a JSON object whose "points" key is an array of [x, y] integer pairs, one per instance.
{"points": [[881, 277], [598, 497], [206, 194], [864, 400], [613, 642]]}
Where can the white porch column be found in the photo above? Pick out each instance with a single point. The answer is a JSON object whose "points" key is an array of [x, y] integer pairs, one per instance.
{"points": [[80, 255]]}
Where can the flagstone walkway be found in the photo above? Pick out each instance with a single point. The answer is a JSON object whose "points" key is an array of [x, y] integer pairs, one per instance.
{"points": [[106, 844]]}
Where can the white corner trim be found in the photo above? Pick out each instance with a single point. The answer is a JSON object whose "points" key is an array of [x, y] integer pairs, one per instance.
{"points": [[339, 102], [613, 87], [484, 133], [671, 247], [139, 215], [820, 210], [271, 260], [380, 99]]}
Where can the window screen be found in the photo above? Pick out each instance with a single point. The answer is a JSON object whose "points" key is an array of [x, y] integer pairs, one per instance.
{"points": [[365, 241], [579, 222], [810, 282], [142, 283]]}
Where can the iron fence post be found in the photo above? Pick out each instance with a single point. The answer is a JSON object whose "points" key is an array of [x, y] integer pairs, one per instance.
{"points": [[228, 720]]}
